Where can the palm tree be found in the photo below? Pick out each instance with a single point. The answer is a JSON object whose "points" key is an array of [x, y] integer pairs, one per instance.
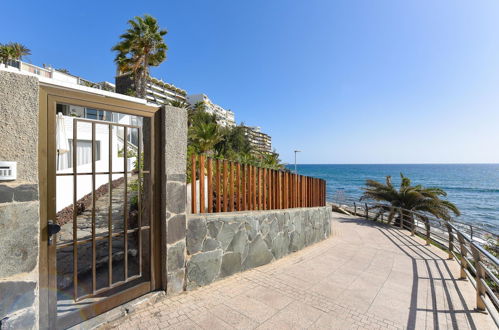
{"points": [[179, 104], [141, 46], [5, 53], [413, 198], [271, 160], [19, 50], [205, 136]]}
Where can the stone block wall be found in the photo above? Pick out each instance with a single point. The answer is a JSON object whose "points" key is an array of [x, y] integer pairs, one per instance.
{"points": [[222, 244], [19, 202], [173, 183]]}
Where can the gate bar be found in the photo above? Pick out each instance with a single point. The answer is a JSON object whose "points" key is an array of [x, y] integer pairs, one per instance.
{"points": [[94, 266], [110, 211], [75, 214], [139, 197], [125, 209]]}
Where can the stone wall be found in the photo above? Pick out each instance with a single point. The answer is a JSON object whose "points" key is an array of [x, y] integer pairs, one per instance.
{"points": [[222, 244], [173, 181], [19, 202]]}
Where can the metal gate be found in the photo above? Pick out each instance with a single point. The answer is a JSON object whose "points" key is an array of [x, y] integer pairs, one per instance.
{"points": [[101, 209]]}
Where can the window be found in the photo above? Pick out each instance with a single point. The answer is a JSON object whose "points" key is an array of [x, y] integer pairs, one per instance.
{"points": [[97, 114]]}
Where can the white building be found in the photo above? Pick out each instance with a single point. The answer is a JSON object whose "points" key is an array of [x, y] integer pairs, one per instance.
{"points": [[157, 91], [59, 76], [224, 117], [260, 142]]}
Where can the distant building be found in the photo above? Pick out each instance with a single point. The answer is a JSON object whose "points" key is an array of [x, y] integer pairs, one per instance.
{"points": [[224, 117], [260, 142], [157, 91], [60, 75]]}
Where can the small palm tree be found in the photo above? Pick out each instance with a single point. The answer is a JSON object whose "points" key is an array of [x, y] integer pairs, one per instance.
{"points": [[141, 46], [413, 198], [204, 137], [5, 53], [271, 160], [179, 104], [19, 51]]}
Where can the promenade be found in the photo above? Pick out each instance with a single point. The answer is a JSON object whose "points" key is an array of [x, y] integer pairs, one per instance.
{"points": [[365, 276]]}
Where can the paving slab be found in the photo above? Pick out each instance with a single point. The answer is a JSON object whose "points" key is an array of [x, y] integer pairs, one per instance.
{"points": [[367, 275]]}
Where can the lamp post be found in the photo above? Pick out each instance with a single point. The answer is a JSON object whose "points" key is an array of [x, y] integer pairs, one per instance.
{"points": [[296, 170]]}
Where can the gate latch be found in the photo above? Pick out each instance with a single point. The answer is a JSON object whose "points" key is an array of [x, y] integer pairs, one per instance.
{"points": [[53, 229]]}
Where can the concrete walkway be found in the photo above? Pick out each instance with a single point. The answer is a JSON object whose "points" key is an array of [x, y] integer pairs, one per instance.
{"points": [[366, 276]]}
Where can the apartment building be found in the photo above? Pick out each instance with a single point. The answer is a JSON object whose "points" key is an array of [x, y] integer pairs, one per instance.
{"points": [[224, 117], [157, 92], [260, 142]]}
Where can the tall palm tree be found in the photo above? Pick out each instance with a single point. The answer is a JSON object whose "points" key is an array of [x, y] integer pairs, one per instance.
{"points": [[413, 198], [204, 137], [141, 46]]}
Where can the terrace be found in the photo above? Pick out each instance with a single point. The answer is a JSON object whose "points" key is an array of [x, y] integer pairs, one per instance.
{"points": [[367, 275]]}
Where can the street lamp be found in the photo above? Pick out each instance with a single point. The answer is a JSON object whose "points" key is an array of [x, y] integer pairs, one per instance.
{"points": [[296, 170]]}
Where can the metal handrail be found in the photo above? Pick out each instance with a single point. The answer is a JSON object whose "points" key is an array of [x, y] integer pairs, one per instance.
{"points": [[476, 263]]}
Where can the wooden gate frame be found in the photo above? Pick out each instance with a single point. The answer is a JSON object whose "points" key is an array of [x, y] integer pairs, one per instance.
{"points": [[49, 96]]}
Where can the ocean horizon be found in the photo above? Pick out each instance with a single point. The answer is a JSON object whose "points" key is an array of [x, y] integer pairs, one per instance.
{"points": [[473, 187]]}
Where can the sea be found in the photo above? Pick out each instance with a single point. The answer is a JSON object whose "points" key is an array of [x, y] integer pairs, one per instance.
{"points": [[474, 188]]}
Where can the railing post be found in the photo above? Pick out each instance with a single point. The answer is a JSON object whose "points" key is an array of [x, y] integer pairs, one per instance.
{"points": [[354, 208], [464, 253], [413, 224], [401, 215], [428, 230], [367, 211], [480, 275], [382, 213], [451, 241]]}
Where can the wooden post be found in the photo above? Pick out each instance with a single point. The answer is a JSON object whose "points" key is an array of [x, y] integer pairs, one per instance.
{"points": [[464, 254], [225, 188], [219, 191], [244, 188], [231, 187], [238, 185], [259, 187], [276, 190], [210, 185], [451, 241], [253, 188], [250, 188], [264, 189], [479, 277], [201, 184], [286, 190], [193, 184]]}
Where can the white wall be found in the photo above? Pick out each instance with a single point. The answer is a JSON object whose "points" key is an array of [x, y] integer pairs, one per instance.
{"points": [[64, 184], [64, 77]]}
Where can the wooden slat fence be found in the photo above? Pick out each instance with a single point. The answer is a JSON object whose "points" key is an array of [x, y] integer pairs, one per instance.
{"points": [[231, 186]]}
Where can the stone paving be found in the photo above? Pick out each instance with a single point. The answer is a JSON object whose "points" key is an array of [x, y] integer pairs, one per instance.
{"points": [[366, 276]]}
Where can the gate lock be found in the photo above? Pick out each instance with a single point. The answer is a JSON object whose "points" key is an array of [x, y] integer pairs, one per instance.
{"points": [[52, 229]]}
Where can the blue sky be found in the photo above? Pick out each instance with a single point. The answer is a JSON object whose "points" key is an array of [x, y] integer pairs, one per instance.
{"points": [[346, 81]]}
